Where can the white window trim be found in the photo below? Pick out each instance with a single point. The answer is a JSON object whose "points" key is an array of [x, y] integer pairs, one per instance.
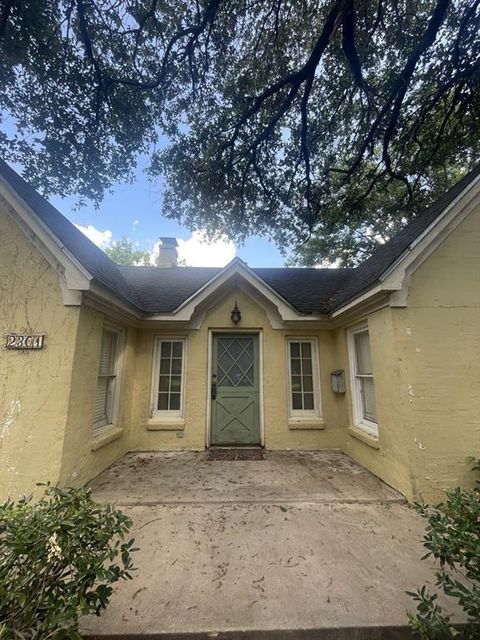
{"points": [[115, 399], [164, 415], [359, 421], [316, 412]]}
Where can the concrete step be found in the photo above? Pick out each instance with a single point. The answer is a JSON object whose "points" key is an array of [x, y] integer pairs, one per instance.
{"points": [[337, 633]]}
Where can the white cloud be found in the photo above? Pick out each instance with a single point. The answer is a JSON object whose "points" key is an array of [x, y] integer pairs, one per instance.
{"points": [[101, 238], [136, 223], [328, 264], [198, 252]]}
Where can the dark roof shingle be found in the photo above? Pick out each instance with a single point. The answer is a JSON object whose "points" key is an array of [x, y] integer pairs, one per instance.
{"points": [[163, 290], [310, 291], [159, 290]]}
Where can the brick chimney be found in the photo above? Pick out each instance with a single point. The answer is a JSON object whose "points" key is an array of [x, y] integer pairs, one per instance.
{"points": [[167, 253]]}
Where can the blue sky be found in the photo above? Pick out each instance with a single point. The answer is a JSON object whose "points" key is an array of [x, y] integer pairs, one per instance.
{"points": [[134, 211]]}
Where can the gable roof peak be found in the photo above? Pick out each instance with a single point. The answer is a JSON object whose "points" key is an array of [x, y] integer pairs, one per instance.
{"points": [[236, 260]]}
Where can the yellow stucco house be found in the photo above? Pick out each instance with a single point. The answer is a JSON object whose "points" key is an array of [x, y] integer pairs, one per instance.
{"points": [[97, 359]]}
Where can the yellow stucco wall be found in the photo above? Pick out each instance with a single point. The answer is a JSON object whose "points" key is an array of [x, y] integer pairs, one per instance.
{"points": [[278, 435], [426, 362], [34, 386], [388, 457], [81, 461], [438, 340]]}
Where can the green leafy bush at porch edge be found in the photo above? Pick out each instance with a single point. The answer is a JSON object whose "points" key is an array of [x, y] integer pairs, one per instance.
{"points": [[59, 557], [452, 537]]}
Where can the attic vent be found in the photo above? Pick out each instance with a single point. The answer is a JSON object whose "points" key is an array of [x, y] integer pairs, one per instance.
{"points": [[167, 253]]}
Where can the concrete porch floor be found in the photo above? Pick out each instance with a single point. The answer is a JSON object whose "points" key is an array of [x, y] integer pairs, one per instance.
{"points": [[300, 545]]}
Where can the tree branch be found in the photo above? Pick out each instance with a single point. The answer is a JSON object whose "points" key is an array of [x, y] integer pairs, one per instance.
{"points": [[294, 79], [403, 81], [348, 44], [5, 16], [398, 91]]}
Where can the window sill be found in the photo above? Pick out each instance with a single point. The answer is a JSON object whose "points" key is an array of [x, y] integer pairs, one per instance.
{"points": [[164, 424], [310, 423], [105, 435], [366, 438]]}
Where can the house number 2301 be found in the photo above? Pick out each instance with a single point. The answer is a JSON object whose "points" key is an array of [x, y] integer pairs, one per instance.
{"points": [[24, 341]]}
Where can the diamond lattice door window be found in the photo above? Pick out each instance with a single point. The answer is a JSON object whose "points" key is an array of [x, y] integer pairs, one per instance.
{"points": [[235, 395]]}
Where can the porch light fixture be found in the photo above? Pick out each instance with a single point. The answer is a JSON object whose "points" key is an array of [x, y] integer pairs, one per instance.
{"points": [[236, 316]]}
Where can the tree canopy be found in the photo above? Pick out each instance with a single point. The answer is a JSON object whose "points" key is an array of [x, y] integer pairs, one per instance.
{"points": [[325, 124], [124, 252]]}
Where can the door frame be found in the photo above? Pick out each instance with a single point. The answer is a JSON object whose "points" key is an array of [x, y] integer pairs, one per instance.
{"points": [[211, 333]]}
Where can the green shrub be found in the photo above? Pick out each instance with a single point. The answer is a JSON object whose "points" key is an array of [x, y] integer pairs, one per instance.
{"points": [[453, 539], [59, 558]]}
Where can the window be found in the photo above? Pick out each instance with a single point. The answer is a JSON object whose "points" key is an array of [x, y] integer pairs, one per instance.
{"points": [[303, 377], [107, 380], [168, 377], [363, 385]]}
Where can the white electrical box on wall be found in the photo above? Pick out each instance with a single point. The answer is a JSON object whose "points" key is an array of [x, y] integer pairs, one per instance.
{"points": [[337, 379]]}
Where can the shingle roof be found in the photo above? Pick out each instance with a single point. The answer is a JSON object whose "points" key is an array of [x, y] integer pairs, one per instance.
{"points": [[155, 290], [308, 290], [163, 290], [159, 290]]}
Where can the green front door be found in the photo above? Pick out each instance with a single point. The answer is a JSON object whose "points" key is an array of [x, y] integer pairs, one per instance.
{"points": [[234, 390]]}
